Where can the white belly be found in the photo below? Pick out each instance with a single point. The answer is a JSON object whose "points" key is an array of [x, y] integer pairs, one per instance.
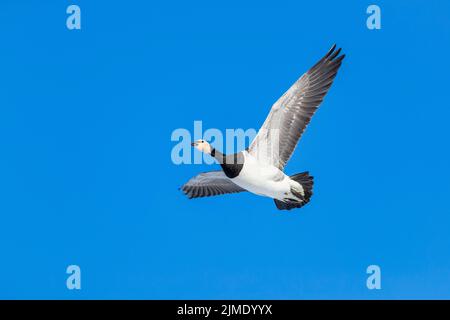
{"points": [[262, 179]]}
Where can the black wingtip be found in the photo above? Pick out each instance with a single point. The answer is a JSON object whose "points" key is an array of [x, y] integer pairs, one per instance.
{"points": [[330, 52], [185, 190], [330, 56], [334, 54], [340, 58]]}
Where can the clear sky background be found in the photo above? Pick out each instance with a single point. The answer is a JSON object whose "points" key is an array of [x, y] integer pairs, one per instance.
{"points": [[86, 176]]}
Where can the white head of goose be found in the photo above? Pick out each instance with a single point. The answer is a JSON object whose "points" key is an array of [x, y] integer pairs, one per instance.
{"points": [[202, 146], [260, 168]]}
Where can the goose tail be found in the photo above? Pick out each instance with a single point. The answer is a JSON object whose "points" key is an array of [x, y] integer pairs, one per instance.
{"points": [[307, 182]]}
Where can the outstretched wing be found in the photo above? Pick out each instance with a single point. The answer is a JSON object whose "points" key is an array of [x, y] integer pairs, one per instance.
{"points": [[289, 116], [211, 183]]}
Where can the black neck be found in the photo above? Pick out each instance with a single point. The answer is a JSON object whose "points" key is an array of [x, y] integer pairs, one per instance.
{"points": [[231, 164], [219, 156]]}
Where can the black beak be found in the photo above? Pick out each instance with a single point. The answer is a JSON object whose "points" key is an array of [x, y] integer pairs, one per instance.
{"points": [[193, 144]]}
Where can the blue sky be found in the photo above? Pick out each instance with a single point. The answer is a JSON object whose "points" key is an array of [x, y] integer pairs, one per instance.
{"points": [[86, 175]]}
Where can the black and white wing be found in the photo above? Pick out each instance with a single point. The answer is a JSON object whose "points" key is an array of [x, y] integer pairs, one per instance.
{"points": [[289, 116], [211, 183]]}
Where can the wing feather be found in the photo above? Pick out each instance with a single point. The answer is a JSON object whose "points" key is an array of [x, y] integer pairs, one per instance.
{"points": [[211, 183], [291, 114]]}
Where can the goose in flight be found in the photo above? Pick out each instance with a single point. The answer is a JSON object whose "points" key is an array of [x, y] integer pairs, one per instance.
{"points": [[259, 169]]}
